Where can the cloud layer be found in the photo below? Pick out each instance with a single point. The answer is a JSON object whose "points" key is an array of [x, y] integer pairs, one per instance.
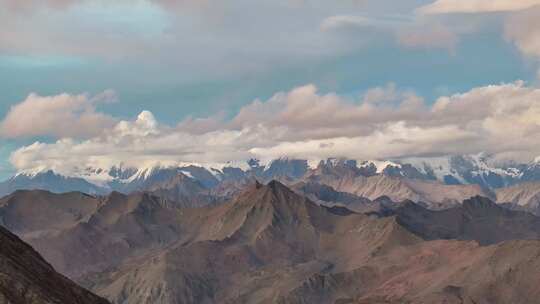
{"points": [[476, 6], [524, 29], [383, 123], [62, 115]]}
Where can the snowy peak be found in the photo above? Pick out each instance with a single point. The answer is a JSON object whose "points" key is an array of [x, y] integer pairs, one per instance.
{"points": [[341, 167], [48, 180], [466, 169], [479, 169]]}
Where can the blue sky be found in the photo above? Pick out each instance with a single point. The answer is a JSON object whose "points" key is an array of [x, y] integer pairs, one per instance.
{"points": [[197, 59]]}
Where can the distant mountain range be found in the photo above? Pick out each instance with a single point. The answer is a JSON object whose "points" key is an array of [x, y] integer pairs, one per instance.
{"points": [[436, 182], [470, 169]]}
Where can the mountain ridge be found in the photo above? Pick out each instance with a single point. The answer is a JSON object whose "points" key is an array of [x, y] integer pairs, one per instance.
{"points": [[270, 244], [477, 169]]}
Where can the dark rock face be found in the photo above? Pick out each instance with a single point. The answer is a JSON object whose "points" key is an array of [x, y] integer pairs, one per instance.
{"points": [[121, 173], [26, 278], [450, 180], [531, 173], [406, 170], [290, 168], [327, 194], [478, 219]]}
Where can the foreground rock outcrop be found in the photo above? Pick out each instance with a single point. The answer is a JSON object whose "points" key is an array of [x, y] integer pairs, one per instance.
{"points": [[26, 278]]}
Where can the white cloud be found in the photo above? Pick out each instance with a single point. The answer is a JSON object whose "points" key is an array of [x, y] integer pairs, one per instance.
{"points": [[144, 125], [383, 123], [476, 6], [394, 140], [523, 29], [521, 23], [62, 115]]}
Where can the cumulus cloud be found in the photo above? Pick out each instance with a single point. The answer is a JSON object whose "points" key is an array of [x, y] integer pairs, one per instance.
{"points": [[384, 122], [62, 115], [476, 6]]}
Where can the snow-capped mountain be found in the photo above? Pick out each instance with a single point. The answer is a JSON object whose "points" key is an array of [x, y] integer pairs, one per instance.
{"points": [[48, 180], [464, 169]]}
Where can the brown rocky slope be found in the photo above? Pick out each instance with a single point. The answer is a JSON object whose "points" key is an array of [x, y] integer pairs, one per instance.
{"points": [[26, 278], [271, 245]]}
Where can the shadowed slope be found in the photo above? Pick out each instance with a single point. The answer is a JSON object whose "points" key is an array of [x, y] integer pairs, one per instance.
{"points": [[477, 219], [37, 212], [26, 278], [121, 227]]}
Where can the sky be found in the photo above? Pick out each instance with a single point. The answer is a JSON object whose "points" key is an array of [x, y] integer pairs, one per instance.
{"points": [[95, 83]]}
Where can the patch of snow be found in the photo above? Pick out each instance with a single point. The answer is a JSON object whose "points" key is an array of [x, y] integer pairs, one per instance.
{"points": [[313, 163], [333, 161], [187, 173], [440, 166], [381, 164], [100, 179], [31, 172], [243, 165]]}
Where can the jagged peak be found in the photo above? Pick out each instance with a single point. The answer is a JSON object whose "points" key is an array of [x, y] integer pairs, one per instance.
{"points": [[271, 193], [480, 202], [276, 185], [115, 195], [410, 204]]}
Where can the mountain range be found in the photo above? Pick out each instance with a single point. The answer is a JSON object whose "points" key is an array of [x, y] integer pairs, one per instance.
{"points": [[272, 244], [479, 169], [436, 183], [286, 232]]}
